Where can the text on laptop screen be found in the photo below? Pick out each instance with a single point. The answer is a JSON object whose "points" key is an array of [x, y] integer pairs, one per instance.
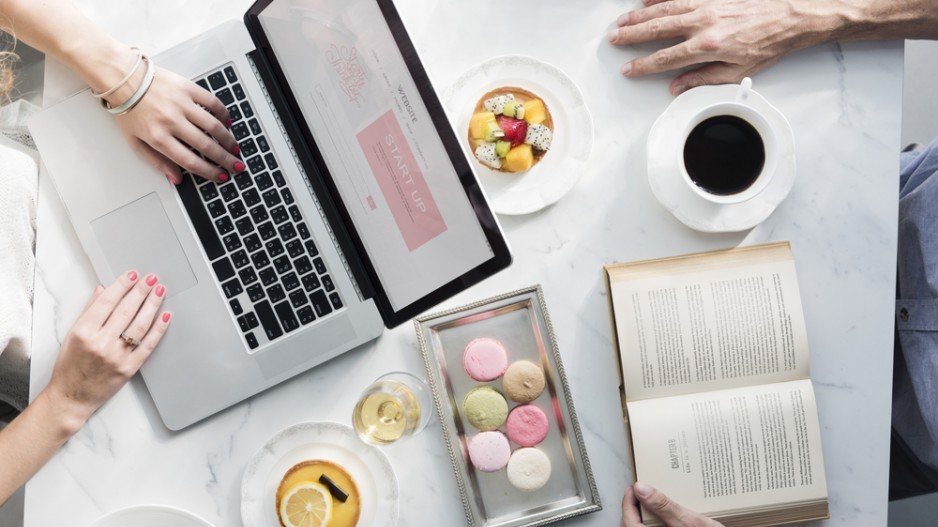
{"points": [[375, 134]]}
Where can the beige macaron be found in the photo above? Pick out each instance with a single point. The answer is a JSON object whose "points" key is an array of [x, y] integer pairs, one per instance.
{"points": [[523, 381]]}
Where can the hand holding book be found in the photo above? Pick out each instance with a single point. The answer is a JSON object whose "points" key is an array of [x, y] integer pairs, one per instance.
{"points": [[665, 509], [716, 390]]}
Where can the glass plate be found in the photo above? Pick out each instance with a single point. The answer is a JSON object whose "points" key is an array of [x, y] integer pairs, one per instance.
{"points": [[519, 320], [367, 465], [560, 169], [150, 516]]}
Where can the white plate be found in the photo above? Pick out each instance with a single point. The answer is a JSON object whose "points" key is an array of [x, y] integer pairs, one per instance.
{"points": [[150, 516], [558, 171], [367, 465], [665, 150]]}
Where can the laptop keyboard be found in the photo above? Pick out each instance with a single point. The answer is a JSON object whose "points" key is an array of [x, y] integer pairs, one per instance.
{"points": [[261, 251]]}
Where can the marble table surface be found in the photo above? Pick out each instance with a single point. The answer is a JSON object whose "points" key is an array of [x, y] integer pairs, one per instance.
{"points": [[843, 102]]}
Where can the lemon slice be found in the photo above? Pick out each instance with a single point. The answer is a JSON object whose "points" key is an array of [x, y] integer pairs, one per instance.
{"points": [[306, 505]]}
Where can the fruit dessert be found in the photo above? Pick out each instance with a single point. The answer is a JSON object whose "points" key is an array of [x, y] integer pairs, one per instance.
{"points": [[318, 493], [511, 129]]}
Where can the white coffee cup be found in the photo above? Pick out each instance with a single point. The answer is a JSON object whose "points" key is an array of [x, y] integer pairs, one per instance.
{"points": [[741, 109]]}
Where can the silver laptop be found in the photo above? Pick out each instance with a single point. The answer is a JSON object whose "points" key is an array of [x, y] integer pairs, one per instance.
{"points": [[358, 208]]}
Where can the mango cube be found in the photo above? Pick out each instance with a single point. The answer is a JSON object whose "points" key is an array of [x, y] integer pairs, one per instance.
{"points": [[534, 111], [519, 158], [478, 123]]}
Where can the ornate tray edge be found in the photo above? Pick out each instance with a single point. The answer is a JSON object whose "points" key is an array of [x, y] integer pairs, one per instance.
{"points": [[428, 361]]}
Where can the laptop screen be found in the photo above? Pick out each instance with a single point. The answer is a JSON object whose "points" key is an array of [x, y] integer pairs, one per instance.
{"points": [[376, 136]]}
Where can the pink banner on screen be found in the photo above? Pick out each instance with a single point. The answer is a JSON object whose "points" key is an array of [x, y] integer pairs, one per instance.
{"points": [[401, 181]]}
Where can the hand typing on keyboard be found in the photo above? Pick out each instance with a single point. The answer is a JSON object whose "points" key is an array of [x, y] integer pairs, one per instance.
{"points": [[160, 126], [177, 114], [253, 231]]}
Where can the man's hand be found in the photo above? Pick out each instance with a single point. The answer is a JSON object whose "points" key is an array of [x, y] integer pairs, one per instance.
{"points": [[669, 512], [731, 38]]}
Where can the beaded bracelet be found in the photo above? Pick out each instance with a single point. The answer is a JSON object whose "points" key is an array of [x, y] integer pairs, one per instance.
{"points": [[126, 77], [130, 103]]}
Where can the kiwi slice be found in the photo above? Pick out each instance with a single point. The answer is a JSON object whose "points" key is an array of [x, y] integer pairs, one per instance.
{"points": [[493, 132]]}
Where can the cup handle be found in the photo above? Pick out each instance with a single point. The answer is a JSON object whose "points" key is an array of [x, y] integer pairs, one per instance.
{"points": [[744, 88]]}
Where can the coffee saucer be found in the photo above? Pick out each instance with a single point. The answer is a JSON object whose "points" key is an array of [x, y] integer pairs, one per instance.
{"points": [[665, 152]]}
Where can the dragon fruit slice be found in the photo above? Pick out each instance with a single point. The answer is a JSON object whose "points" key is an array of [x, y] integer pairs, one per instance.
{"points": [[539, 136], [497, 104], [486, 154]]}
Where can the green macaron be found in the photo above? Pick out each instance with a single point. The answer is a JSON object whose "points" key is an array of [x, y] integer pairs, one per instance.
{"points": [[485, 408]]}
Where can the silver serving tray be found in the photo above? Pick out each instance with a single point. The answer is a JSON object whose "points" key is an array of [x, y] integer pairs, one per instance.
{"points": [[520, 321]]}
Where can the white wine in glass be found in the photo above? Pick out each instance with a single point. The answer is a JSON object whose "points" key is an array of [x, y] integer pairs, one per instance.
{"points": [[396, 405]]}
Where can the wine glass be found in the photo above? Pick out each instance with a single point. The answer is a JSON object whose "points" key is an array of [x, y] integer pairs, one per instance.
{"points": [[397, 405]]}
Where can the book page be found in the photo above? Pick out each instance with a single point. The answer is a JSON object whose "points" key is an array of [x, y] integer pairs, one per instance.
{"points": [[744, 448], [708, 322]]}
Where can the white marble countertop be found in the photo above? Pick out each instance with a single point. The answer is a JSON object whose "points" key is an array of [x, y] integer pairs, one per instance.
{"points": [[844, 105]]}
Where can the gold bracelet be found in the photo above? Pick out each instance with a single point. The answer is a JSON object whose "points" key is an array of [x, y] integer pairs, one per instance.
{"points": [[126, 77]]}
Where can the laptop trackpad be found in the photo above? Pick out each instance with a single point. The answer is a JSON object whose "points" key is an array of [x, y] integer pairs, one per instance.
{"points": [[139, 236]]}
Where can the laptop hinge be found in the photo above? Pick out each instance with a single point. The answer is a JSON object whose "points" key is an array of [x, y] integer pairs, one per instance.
{"points": [[327, 210]]}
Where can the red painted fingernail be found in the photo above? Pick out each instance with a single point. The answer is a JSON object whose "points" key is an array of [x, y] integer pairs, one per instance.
{"points": [[132, 275], [160, 289], [239, 167], [151, 279], [166, 317], [222, 177], [236, 150], [228, 123]]}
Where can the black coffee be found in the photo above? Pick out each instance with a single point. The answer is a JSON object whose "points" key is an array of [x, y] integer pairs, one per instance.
{"points": [[724, 155]]}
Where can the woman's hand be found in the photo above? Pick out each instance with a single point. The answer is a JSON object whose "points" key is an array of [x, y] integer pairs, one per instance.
{"points": [[669, 512], [732, 38], [92, 365], [168, 119], [176, 114], [94, 361]]}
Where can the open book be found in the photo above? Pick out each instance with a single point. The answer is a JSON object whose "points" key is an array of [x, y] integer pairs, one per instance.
{"points": [[716, 389]]}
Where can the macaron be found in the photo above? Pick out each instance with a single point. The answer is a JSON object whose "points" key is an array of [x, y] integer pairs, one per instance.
{"points": [[527, 425], [528, 469], [523, 381], [485, 408], [489, 451], [485, 359]]}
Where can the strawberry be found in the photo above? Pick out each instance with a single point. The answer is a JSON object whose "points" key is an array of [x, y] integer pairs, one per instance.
{"points": [[515, 129]]}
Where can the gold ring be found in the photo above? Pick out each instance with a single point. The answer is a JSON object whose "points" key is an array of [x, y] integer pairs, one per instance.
{"points": [[130, 341]]}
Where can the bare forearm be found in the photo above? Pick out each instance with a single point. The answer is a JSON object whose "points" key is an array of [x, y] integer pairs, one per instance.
{"points": [[727, 40], [59, 29], [889, 19], [32, 439]]}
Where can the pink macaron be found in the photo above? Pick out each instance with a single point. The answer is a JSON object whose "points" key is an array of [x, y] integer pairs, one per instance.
{"points": [[485, 359], [527, 425], [489, 451]]}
